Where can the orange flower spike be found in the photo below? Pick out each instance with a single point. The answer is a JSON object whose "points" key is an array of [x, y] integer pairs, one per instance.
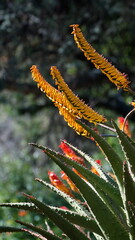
{"points": [[70, 119], [70, 153], [71, 184], [93, 169], [126, 127], [55, 181], [52, 93], [113, 74], [82, 109]]}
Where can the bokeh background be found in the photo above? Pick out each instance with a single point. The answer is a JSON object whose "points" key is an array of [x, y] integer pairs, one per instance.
{"points": [[38, 32]]}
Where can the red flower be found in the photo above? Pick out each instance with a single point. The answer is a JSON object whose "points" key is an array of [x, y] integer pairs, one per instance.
{"points": [[64, 208], [71, 184], [58, 183], [70, 153], [126, 127], [93, 169]]}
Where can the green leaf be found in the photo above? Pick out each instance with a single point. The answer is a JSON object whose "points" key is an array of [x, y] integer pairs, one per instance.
{"points": [[9, 229], [98, 168], [111, 155], [98, 237], [129, 192], [22, 205], [69, 229], [128, 148], [41, 231], [37, 235], [97, 182], [106, 220], [74, 203], [79, 220]]}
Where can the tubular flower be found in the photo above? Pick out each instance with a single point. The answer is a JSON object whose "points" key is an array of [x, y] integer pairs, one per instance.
{"points": [[79, 174], [52, 93], [93, 169], [70, 153], [114, 75], [126, 127], [71, 184], [133, 103], [83, 109], [70, 119], [58, 183]]}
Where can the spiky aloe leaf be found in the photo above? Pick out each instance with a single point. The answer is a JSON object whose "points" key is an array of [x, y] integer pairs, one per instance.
{"points": [[9, 229], [97, 182], [129, 192], [128, 148], [41, 231], [79, 220], [96, 205], [37, 235], [98, 168], [111, 155], [69, 229], [74, 203], [22, 205], [98, 237]]}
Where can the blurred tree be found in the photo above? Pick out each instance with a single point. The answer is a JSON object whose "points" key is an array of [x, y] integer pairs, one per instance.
{"points": [[38, 33]]}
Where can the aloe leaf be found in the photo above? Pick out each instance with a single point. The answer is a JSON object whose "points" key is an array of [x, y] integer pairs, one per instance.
{"points": [[111, 155], [129, 191], [41, 231], [79, 220], [74, 203], [9, 229], [109, 224], [89, 159], [97, 182], [69, 229], [37, 235], [22, 205], [98, 237], [128, 148]]}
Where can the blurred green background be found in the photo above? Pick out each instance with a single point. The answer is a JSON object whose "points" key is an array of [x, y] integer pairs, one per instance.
{"points": [[38, 32]]}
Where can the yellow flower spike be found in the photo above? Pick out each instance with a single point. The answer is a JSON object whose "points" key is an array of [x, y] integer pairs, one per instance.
{"points": [[114, 75], [52, 93], [83, 110], [70, 119]]}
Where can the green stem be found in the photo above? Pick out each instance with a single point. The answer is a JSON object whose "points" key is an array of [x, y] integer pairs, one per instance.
{"points": [[127, 117], [107, 126]]}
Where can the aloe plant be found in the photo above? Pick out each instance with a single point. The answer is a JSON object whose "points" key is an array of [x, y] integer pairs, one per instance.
{"points": [[102, 205]]}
